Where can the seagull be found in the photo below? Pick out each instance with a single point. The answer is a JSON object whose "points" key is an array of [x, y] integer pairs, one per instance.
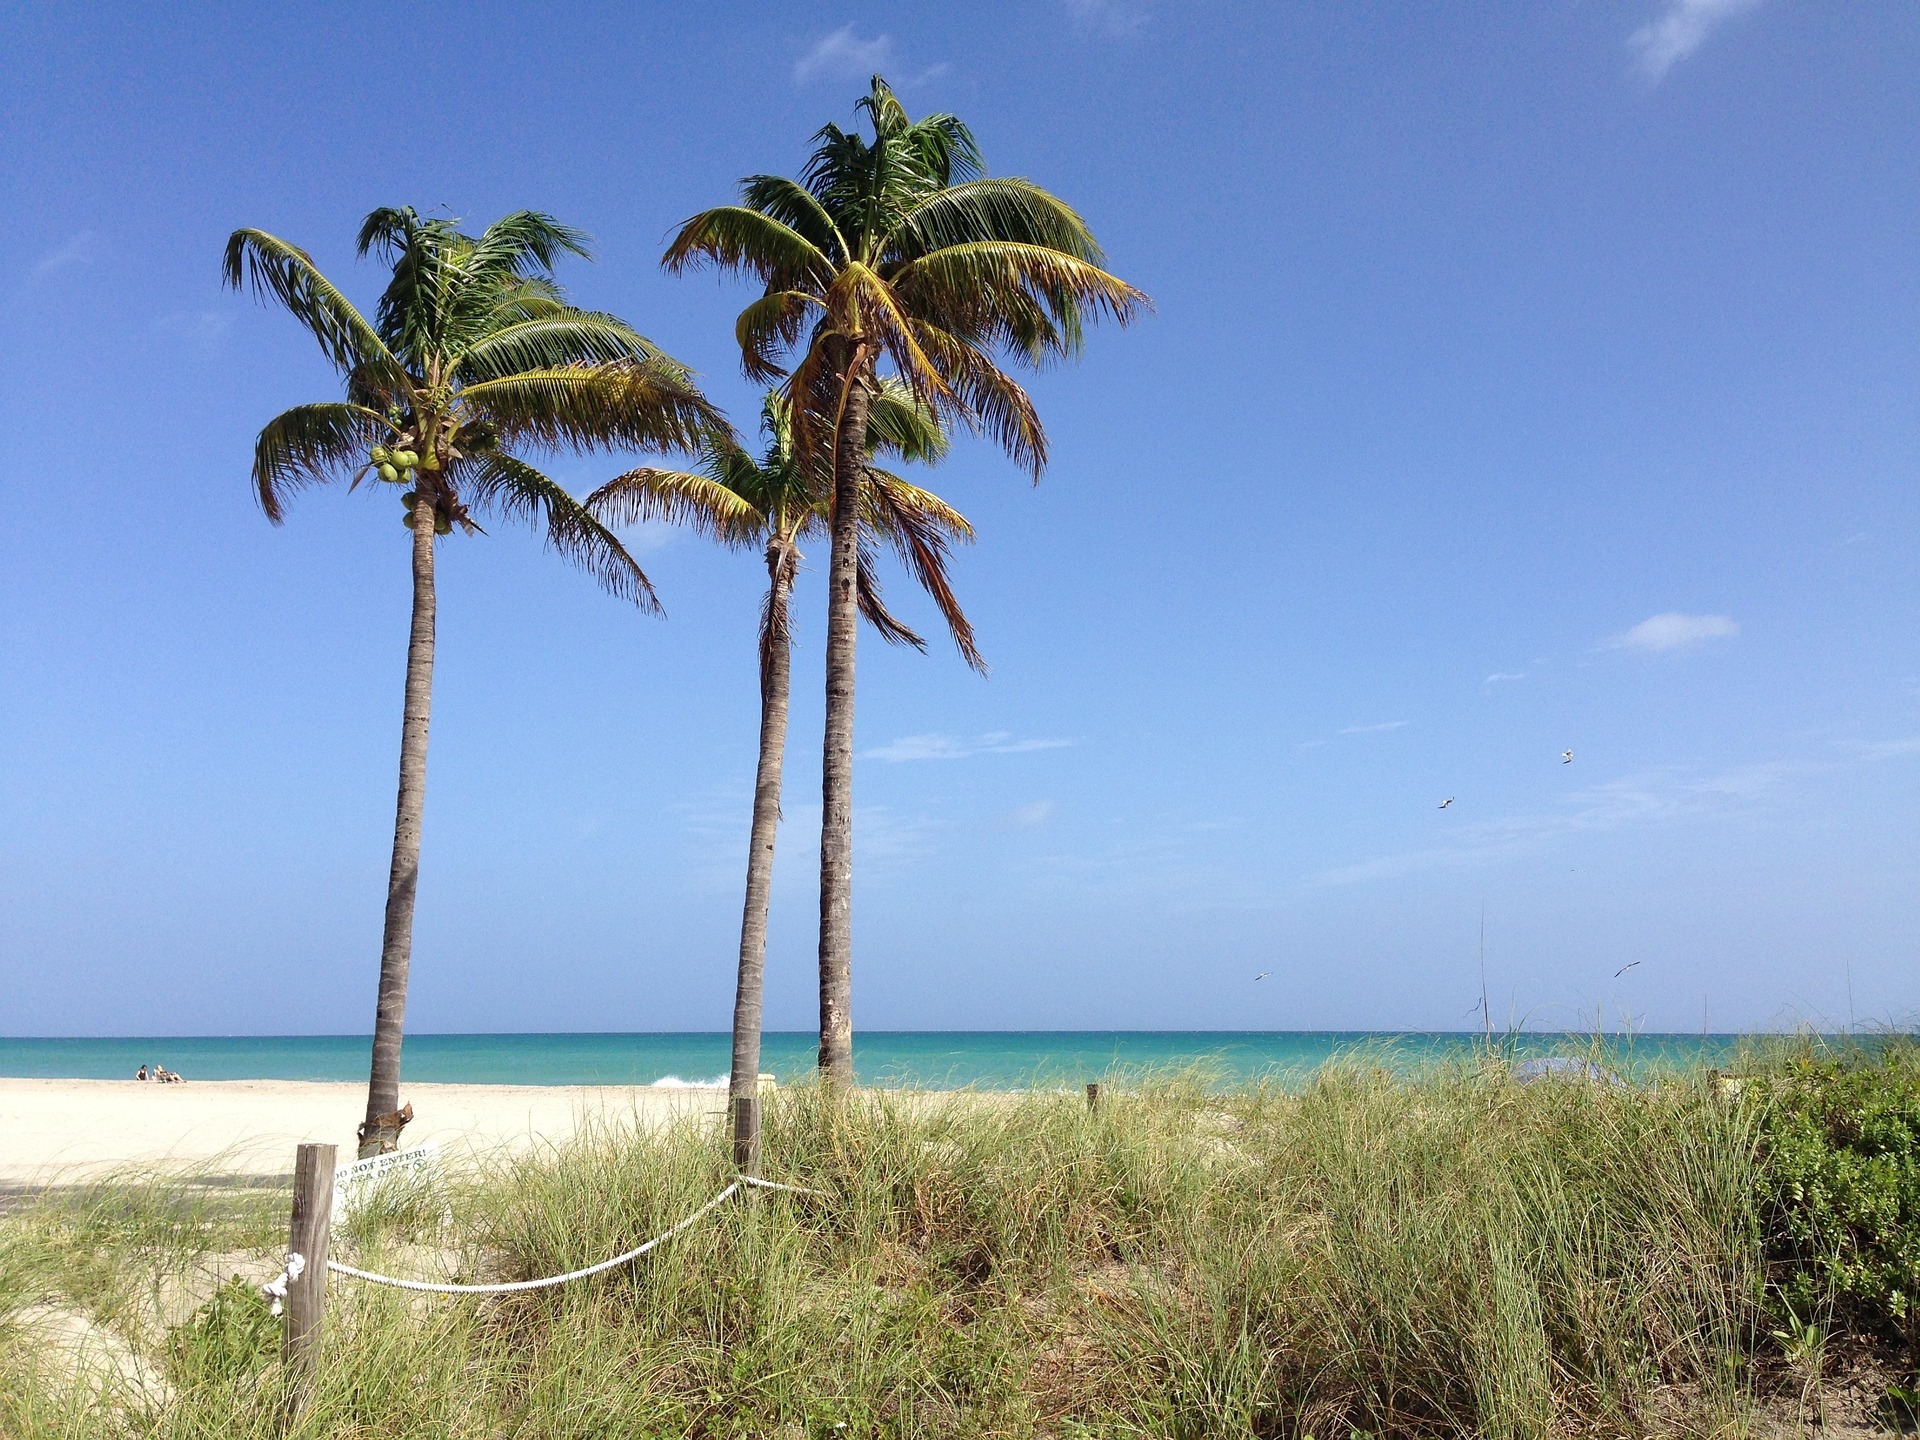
{"points": [[1624, 968], [1566, 757], [1446, 802], [1263, 975]]}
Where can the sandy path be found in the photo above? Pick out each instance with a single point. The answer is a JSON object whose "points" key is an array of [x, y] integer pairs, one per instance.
{"points": [[59, 1130]]}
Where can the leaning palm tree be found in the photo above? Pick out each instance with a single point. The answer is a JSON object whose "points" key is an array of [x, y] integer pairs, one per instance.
{"points": [[894, 251], [771, 504], [472, 355]]}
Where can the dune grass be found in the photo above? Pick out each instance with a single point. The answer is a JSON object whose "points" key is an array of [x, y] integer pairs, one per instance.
{"points": [[1446, 1254]]}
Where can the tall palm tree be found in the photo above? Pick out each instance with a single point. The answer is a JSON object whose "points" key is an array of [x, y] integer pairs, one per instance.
{"points": [[473, 354], [771, 504], [894, 251]]}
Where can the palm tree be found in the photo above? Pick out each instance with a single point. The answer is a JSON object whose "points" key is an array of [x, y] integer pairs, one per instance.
{"points": [[473, 354], [898, 251], [771, 504]]}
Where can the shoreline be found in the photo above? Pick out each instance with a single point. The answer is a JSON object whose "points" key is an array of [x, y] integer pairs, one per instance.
{"points": [[67, 1131]]}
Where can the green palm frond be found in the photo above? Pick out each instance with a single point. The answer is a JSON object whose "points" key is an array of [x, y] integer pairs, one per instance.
{"points": [[733, 237], [311, 445], [794, 206], [1003, 208], [967, 279], [574, 337], [629, 404], [514, 489], [897, 424], [287, 273]]}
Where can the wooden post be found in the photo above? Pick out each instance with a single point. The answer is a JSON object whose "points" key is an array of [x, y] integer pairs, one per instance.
{"points": [[746, 1134], [1093, 1096], [306, 1305]]}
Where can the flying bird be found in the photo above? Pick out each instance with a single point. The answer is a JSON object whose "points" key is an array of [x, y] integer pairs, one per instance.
{"points": [[1446, 802], [1566, 757], [1624, 968], [1263, 975]]}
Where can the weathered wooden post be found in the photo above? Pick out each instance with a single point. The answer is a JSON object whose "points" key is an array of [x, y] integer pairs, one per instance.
{"points": [[746, 1134], [1093, 1095], [307, 1292]]}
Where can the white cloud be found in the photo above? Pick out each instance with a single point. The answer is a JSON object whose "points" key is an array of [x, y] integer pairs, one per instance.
{"points": [[1031, 815], [1663, 634], [1115, 19], [1500, 675], [953, 747], [1681, 28], [1380, 729], [843, 55], [82, 250]]}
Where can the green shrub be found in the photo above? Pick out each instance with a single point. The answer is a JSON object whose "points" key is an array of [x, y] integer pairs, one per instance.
{"points": [[1841, 1180]]}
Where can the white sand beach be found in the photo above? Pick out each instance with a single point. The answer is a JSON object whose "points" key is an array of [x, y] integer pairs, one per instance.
{"points": [[54, 1131]]}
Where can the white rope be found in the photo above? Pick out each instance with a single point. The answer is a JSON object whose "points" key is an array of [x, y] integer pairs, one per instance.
{"points": [[275, 1290], [504, 1287]]}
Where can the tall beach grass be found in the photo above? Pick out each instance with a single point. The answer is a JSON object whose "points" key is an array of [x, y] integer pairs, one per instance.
{"points": [[1443, 1254]]}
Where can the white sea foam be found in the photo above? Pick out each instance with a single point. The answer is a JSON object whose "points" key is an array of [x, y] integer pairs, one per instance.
{"points": [[674, 1082]]}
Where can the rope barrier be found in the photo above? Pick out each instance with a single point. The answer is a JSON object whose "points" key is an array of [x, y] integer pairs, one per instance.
{"points": [[505, 1287]]}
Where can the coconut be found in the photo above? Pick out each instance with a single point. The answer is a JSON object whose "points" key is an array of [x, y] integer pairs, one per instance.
{"points": [[388, 473], [380, 455], [405, 459], [442, 525], [407, 500]]}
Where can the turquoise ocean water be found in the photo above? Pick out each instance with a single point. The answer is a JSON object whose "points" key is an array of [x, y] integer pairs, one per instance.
{"points": [[995, 1059]]}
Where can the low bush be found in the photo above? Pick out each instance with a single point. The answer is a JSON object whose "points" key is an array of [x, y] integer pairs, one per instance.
{"points": [[1840, 1178]]}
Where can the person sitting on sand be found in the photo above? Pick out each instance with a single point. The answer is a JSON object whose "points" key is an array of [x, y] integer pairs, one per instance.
{"points": [[141, 1074]]}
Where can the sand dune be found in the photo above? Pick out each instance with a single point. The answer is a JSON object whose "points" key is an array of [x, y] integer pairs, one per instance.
{"points": [[63, 1130]]}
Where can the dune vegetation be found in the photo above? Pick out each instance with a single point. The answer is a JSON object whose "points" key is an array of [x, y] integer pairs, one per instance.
{"points": [[1448, 1253]]}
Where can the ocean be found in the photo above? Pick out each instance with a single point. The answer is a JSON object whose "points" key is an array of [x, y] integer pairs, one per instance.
{"points": [[986, 1059]]}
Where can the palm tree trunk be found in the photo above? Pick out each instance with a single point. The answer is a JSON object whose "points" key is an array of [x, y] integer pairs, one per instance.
{"points": [[776, 681], [836, 764], [381, 1130]]}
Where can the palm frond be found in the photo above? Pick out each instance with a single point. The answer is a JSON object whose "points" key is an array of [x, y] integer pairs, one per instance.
{"points": [[525, 243], [992, 402], [794, 206], [311, 445], [625, 405], [873, 606], [971, 278], [287, 273], [769, 325], [732, 237], [677, 497], [514, 489], [919, 525], [898, 424], [1002, 208], [569, 337]]}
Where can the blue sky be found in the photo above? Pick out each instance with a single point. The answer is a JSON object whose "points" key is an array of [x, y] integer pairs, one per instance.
{"points": [[1524, 378]]}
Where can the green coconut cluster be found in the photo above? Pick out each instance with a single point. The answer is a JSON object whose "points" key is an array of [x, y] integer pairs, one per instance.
{"points": [[397, 467]]}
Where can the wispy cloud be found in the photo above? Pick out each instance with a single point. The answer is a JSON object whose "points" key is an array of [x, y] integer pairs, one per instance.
{"points": [[954, 747], [78, 253], [1031, 815], [1379, 729], [1885, 749], [1500, 675], [1662, 634], [199, 329], [1654, 797], [1681, 28], [843, 55], [1114, 19]]}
